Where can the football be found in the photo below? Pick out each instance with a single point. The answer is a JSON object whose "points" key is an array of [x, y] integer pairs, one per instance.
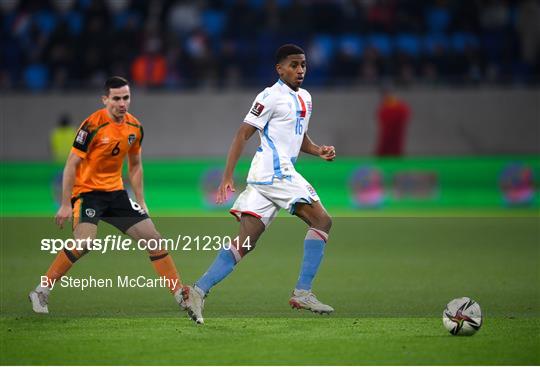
{"points": [[462, 316]]}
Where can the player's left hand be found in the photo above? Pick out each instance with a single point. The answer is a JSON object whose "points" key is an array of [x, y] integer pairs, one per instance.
{"points": [[328, 152], [63, 215], [225, 187]]}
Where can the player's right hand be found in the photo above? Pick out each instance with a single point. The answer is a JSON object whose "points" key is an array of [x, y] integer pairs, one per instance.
{"points": [[63, 214], [224, 187]]}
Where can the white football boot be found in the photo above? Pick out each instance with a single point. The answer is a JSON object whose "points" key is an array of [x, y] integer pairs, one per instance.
{"points": [[302, 299], [179, 297], [193, 302], [40, 299]]}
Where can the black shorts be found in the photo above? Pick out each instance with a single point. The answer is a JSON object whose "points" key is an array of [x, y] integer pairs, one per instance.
{"points": [[113, 207]]}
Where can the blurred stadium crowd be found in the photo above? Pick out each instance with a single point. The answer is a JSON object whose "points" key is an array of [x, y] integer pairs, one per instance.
{"points": [[64, 44]]}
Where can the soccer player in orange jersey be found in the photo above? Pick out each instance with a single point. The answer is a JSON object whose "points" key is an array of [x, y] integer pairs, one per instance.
{"points": [[93, 189]]}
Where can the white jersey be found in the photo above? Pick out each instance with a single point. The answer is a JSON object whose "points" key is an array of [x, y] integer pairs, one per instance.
{"points": [[282, 117]]}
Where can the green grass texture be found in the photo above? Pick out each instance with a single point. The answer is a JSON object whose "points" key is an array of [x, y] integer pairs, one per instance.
{"points": [[389, 280]]}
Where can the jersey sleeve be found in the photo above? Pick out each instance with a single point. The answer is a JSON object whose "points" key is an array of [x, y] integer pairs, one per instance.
{"points": [[137, 146], [83, 138], [261, 111]]}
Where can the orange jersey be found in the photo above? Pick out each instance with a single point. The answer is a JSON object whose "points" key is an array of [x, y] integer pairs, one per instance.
{"points": [[103, 144]]}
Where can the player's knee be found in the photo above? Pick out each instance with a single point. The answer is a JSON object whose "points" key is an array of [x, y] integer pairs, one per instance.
{"points": [[154, 244], [239, 251], [153, 235], [323, 222], [247, 248]]}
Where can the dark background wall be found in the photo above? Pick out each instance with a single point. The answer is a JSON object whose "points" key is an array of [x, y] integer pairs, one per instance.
{"points": [[476, 121]]}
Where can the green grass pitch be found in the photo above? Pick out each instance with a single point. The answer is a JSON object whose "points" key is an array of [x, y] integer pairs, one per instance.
{"points": [[388, 279]]}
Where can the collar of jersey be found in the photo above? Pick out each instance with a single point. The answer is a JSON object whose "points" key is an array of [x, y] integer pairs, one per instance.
{"points": [[111, 121], [285, 87]]}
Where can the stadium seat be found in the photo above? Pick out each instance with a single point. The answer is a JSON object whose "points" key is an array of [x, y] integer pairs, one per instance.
{"points": [[259, 4], [323, 48], [409, 44], [213, 22], [36, 77], [434, 41], [121, 19], [351, 44], [438, 19], [75, 21], [461, 40], [46, 21], [382, 43]]}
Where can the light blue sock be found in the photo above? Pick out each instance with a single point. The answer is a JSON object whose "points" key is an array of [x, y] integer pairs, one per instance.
{"points": [[222, 266], [313, 253]]}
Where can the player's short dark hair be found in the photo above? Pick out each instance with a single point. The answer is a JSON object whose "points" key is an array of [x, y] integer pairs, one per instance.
{"points": [[114, 82], [286, 50]]}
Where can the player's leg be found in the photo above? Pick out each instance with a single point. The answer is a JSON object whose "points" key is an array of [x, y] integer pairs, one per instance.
{"points": [[254, 212], [146, 232], [61, 265], [251, 228], [128, 216], [319, 223]]}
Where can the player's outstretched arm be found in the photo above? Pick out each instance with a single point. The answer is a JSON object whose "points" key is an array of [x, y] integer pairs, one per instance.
{"points": [[244, 133], [324, 151], [135, 170], [68, 179]]}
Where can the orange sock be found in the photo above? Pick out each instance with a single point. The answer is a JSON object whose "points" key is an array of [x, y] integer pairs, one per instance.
{"points": [[164, 265], [62, 263]]}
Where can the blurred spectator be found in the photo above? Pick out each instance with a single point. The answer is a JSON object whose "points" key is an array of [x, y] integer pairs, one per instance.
{"points": [[241, 18], [392, 117], [528, 28], [201, 60], [438, 17], [271, 17], [372, 66], [11, 54], [381, 16], [325, 16], [494, 15], [296, 18], [184, 16], [150, 68], [177, 67], [60, 142], [61, 139], [92, 47], [229, 70], [60, 55], [36, 74], [409, 17], [66, 43]]}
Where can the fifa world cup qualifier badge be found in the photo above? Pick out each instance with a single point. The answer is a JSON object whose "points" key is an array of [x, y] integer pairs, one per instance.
{"points": [[257, 109], [81, 137], [131, 138]]}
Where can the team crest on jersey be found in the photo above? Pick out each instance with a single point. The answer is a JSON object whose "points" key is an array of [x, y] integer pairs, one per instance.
{"points": [[90, 212], [311, 190], [81, 137], [257, 109], [131, 138]]}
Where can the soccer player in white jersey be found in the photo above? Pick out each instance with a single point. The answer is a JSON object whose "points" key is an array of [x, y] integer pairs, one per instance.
{"points": [[281, 115]]}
